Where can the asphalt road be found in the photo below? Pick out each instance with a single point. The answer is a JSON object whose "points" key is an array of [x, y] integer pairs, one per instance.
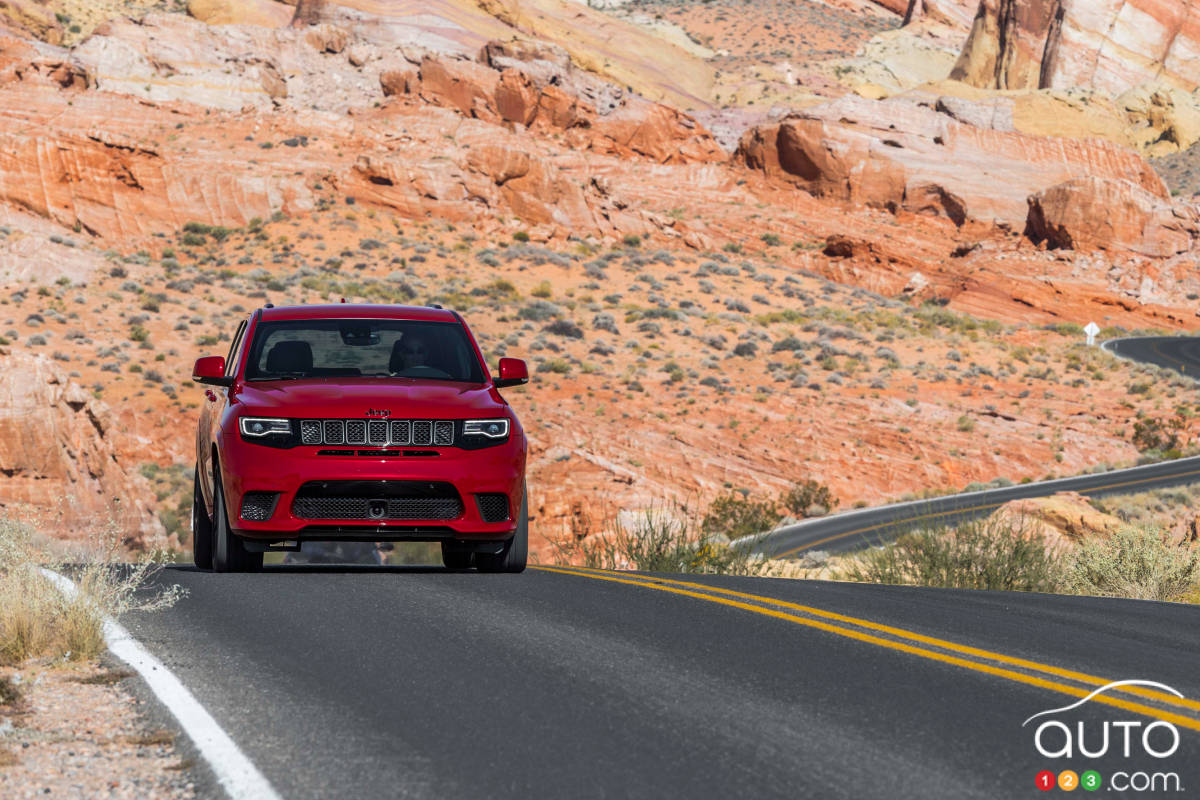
{"points": [[568, 683], [854, 530], [427, 683]]}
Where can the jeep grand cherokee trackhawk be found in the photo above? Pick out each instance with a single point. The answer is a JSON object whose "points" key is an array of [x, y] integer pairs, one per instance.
{"points": [[358, 423]]}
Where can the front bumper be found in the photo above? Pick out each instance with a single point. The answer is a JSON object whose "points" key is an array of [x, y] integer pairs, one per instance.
{"points": [[248, 467]]}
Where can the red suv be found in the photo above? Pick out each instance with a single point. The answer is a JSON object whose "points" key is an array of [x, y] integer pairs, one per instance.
{"points": [[358, 423]]}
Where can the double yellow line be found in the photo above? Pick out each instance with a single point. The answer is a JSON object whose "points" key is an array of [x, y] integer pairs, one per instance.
{"points": [[967, 510], [1150, 703]]}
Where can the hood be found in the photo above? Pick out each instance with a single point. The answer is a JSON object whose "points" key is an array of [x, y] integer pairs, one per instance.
{"points": [[404, 398]]}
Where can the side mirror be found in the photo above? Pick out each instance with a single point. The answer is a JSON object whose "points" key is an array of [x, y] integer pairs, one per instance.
{"points": [[513, 372], [211, 370]]}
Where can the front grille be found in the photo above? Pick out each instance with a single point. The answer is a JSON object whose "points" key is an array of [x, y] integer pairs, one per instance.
{"points": [[377, 500], [259, 506], [492, 507], [361, 508], [378, 433]]}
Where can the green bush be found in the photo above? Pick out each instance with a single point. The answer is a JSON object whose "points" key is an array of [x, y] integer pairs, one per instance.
{"points": [[734, 516], [979, 554], [1159, 434], [1135, 562], [805, 495]]}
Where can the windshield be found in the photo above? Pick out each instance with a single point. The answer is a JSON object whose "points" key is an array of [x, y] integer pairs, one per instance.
{"points": [[369, 348]]}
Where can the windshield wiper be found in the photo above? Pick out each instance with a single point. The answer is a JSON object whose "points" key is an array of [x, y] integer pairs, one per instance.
{"points": [[286, 376]]}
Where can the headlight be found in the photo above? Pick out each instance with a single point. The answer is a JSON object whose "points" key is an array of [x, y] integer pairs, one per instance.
{"points": [[265, 426], [490, 428]]}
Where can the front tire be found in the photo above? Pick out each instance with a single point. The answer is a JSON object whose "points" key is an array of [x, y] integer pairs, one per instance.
{"points": [[516, 550], [229, 555], [202, 528]]}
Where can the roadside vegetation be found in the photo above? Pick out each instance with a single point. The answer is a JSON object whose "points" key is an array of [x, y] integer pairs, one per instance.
{"points": [[986, 553], [667, 539], [998, 553], [1140, 562], [39, 621]]}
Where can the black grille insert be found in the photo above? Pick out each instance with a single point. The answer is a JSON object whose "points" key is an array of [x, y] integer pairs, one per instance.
{"points": [[377, 500], [259, 506], [492, 507]]}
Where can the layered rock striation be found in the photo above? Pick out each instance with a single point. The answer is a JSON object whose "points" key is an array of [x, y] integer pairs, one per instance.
{"points": [[922, 157], [1108, 45]]}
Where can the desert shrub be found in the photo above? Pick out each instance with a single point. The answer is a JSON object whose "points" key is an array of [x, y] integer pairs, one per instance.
{"points": [[789, 343], [1135, 562], [37, 619], [564, 327], [986, 553], [806, 496], [1162, 435], [746, 349], [661, 542], [539, 311], [734, 516]]}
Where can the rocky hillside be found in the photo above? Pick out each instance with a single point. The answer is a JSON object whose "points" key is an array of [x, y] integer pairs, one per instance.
{"points": [[876, 286]]}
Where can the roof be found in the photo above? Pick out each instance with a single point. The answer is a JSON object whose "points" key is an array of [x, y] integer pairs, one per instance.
{"points": [[358, 311]]}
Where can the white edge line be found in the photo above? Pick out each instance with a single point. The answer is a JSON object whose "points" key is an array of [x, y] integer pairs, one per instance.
{"points": [[234, 770]]}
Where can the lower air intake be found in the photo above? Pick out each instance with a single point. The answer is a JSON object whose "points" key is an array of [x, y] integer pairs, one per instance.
{"points": [[259, 506], [492, 507], [377, 500]]}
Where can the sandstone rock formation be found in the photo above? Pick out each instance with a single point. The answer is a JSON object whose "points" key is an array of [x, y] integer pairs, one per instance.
{"points": [[103, 181], [899, 154], [632, 126], [622, 52], [1091, 212], [1061, 520], [38, 63], [32, 17], [956, 13], [59, 453], [1110, 45], [241, 12]]}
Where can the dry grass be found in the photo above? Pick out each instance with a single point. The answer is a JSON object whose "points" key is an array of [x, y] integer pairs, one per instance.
{"points": [[661, 540], [1139, 563], [990, 553], [38, 620]]}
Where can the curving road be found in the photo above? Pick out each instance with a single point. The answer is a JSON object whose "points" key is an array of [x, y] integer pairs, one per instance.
{"points": [[854, 530], [575, 683], [567, 683]]}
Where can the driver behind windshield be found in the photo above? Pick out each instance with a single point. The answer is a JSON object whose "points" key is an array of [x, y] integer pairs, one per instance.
{"points": [[377, 348], [411, 351]]}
